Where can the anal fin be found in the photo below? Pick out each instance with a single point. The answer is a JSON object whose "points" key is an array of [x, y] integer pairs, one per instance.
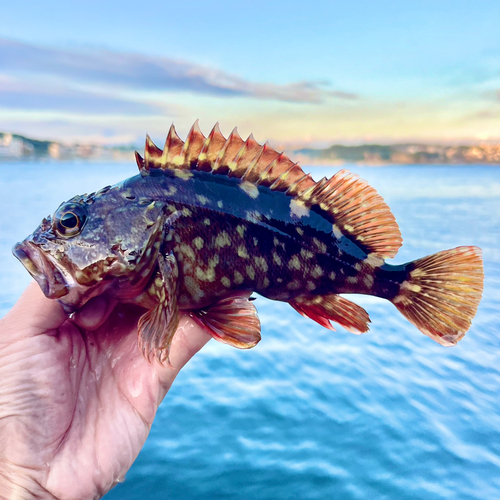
{"points": [[326, 308], [233, 320], [157, 327]]}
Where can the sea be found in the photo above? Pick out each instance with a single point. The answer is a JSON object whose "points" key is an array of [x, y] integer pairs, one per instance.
{"points": [[311, 414]]}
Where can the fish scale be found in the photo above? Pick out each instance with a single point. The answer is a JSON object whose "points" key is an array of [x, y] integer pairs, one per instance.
{"points": [[210, 220]]}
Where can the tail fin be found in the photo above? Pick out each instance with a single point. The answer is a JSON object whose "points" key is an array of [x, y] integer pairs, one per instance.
{"points": [[441, 295]]}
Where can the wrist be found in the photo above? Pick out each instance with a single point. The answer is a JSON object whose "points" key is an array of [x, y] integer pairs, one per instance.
{"points": [[14, 484]]}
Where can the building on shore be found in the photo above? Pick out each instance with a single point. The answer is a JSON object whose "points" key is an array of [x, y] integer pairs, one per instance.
{"points": [[15, 147]]}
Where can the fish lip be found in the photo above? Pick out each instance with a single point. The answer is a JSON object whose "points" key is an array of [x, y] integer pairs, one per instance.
{"points": [[44, 271]]}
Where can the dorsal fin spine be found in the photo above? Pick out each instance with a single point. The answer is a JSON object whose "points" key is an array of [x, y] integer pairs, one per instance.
{"points": [[264, 176], [253, 163], [141, 163], [223, 150], [282, 178], [151, 153], [173, 146], [293, 190], [193, 145], [225, 156], [233, 165]]}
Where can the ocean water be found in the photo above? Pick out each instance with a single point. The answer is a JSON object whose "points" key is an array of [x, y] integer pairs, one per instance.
{"points": [[311, 414]]}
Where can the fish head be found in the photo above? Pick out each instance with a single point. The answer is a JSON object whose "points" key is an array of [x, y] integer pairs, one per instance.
{"points": [[94, 243]]}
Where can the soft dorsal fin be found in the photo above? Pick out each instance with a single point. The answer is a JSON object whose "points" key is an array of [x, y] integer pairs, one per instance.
{"points": [[356, 210]]}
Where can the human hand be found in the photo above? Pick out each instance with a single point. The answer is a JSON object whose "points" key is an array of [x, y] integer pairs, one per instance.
{"points": [[77, 399]]}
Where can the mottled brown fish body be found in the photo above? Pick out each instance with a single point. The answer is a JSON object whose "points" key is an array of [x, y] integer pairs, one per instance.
{"points": [[210, 220], [229, 242]]}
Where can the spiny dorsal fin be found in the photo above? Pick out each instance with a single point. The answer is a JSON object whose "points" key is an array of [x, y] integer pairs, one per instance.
{"points": [[172, 149], [355, 208], [228, 153], [152, 154], [192, 147], [211, 148]]}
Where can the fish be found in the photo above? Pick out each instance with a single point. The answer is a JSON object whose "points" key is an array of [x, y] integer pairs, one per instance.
{"points": [[210, 220]]}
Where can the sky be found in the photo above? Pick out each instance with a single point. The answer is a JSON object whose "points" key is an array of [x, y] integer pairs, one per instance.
{"points": [[296, 73]]}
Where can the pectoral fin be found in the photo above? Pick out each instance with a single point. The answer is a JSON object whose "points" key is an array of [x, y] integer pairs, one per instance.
{"points": [[233, 320], [157, 327]]}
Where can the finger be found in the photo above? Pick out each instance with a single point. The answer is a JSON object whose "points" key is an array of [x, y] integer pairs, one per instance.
{"points": [[94, 313], [189, 338], [33, 314]]}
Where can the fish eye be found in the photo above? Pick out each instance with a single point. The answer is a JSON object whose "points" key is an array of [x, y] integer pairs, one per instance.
{"points": [[69, 220]]}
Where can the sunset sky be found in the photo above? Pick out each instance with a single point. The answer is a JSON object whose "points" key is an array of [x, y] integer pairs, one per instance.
{"points": [[297, 73]]}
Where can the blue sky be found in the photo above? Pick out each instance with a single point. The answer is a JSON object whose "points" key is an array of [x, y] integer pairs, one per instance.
{"points": [[297, 73]]}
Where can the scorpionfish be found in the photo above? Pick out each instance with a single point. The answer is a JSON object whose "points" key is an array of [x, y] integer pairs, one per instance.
{"points": [[208, 221]]}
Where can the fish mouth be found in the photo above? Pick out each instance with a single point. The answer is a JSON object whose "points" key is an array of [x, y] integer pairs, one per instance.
{"points": [[44, 271]]}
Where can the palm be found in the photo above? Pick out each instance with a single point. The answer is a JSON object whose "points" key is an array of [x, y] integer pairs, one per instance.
{"points": [[84, 402]]}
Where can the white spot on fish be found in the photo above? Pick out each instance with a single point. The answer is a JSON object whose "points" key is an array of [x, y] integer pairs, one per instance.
{"points": [[298, 208], [368, 281], [306, 254], [277, 242], [182, 173], [250, 272], [241, 230], [202, 199], [225, 281], [373, 260], [250, 189], [198, 242], [222, 240], [337, 232], [208, 275], [242, 252], [319, 245], [213, 261], [316, 272], [277, 258], [187, 251], [238, 278], [294, 262], [352, 279], [261, 263], [253, 216]]}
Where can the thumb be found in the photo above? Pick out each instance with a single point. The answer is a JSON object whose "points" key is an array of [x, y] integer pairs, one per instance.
{"points": [[33, 314]]}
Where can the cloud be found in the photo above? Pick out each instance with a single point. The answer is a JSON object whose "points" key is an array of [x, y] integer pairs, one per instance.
{"points": [[136, 71], [19, 95]]}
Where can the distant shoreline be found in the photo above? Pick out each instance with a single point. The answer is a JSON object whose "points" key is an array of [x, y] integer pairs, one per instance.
{"points": [[15, 147]]}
